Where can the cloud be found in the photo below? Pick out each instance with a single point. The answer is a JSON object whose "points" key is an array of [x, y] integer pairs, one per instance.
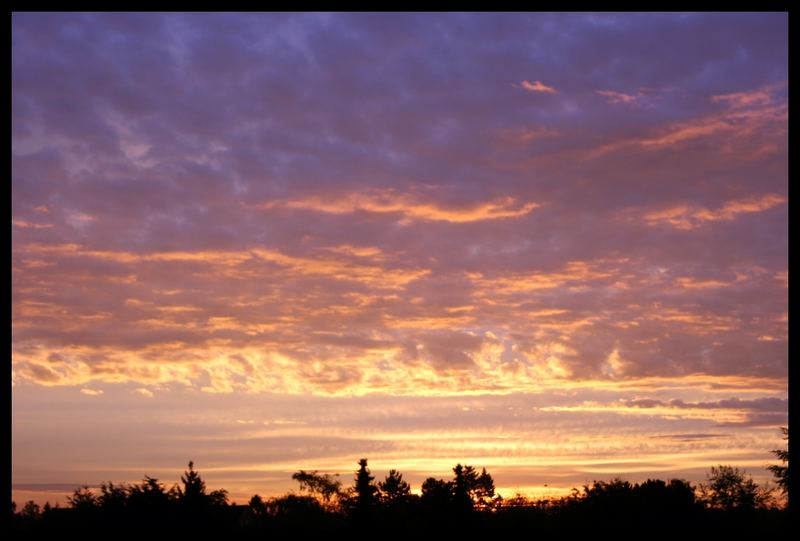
{"points": [[538, 86], [33, 225], [689, 437], [754, 98], [409, 208], [749, 125], [614, 97], [730, 412], [690, 217]]}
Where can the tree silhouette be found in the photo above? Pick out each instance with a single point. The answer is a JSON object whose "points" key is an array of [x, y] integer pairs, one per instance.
{"points": [[193, 495], [483, 491], [325, 485], [194, 488], [30, 510], [728, 488], [365, 492], [151, 500], [729, 499], [437, 493], [82, 499], [464, 483], [257, 505], [393, 490], [218, 497], [781, 473], [471, 489], [113, 497], [365, 489]]}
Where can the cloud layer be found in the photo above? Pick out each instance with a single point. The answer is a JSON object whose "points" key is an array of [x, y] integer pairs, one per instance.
{"points": [[415, 205]]}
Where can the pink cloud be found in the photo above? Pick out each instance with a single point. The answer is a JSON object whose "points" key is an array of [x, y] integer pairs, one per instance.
{"points": [[753, 98], [619, 97], [692, 216], [538, 86]]}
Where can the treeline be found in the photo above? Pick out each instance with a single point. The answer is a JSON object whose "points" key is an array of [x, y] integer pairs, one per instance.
{"points": [[729, 499]]}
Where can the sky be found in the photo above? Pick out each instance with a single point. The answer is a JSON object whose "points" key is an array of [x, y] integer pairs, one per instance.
{"points": [[551, 245]]}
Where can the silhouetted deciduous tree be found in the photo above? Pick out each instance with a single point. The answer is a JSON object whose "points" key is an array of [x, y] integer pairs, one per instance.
{"points": [[257, 505], [218, 497], [436, 493], [30, 510], [728, 488], [781, 472], [325, 485]]}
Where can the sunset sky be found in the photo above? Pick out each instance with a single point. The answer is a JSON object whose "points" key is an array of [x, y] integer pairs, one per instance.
{"points": [[551, 245]]}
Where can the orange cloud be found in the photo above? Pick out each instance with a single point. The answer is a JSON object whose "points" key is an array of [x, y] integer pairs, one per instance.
{"points": [[388, 202], [690, 217], [687, 282], [231, 263], [574, 271], [745, 116], [538, 86]]}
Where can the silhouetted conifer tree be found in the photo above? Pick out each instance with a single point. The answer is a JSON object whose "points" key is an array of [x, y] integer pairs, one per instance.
{"points": [[463, 484], [393, 490], [194, 488], [483, 492], [365, 493]]}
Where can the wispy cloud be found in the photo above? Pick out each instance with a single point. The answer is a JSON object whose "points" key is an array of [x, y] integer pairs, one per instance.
{"points": [[410, 208], [754, 98], [619, 97], [538, 86], [747, 126], [691, 216]]}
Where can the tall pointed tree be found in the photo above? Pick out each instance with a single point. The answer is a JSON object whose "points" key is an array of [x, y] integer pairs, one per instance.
{"points": [[194, 488], [366, 493]]}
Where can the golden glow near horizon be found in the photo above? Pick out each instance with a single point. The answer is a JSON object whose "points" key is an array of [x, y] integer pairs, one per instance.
{"points": [[351, 237]]}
